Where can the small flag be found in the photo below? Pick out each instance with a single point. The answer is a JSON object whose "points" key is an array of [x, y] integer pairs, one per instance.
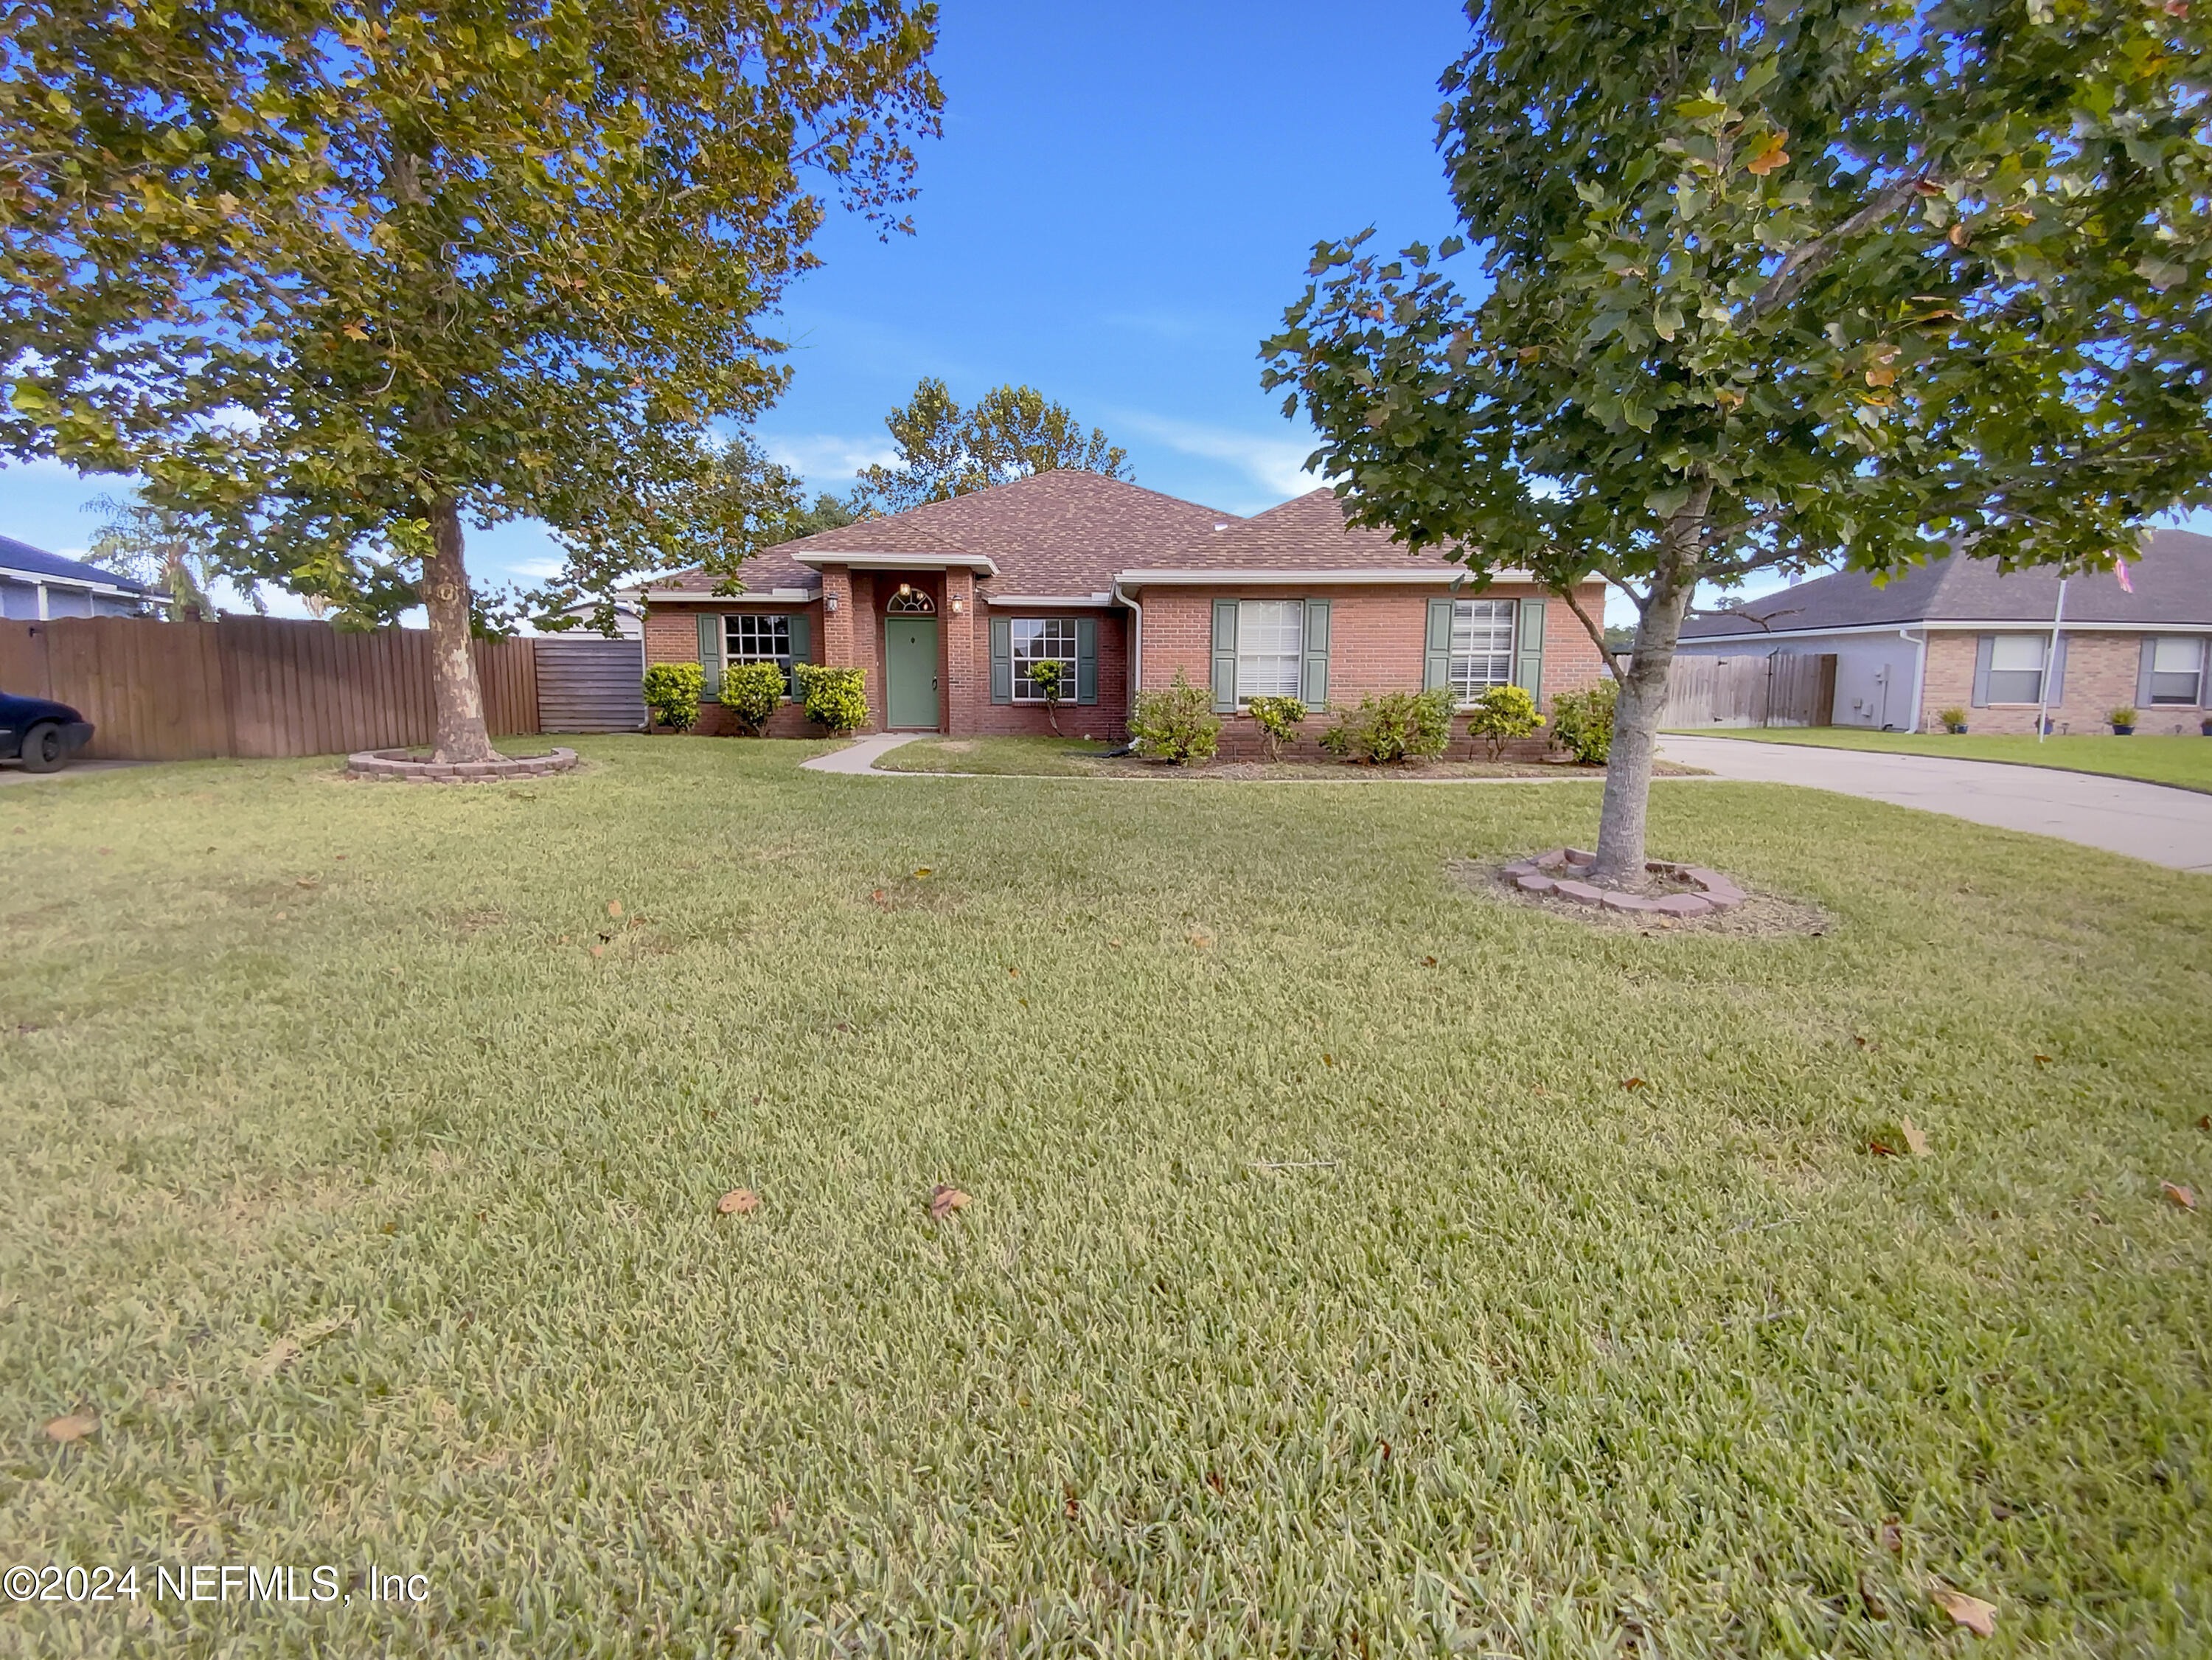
{"points": [[2120, 570]]}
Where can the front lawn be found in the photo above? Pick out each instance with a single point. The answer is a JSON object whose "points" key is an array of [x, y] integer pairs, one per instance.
{"points": [[2164, 758], [1355, 1264]]}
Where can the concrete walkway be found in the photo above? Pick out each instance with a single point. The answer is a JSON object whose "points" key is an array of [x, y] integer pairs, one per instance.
{"points": [[860, 757], [2151, 821]]}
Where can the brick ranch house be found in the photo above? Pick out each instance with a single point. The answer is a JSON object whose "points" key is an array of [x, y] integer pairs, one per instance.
{"points": [[1955, 633], [946, 606]]}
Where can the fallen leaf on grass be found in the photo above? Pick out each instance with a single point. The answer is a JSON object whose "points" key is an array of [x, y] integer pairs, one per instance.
{"points": [[944, 1200], [614, 908], [1428, 962], [1898, 1140], [305, 882], [1976, 1616], [920, 871], [280, 916], [286, 1349], [1201, 939], [1892, 1535], [75, 1427], [1329, 1060], [2205, 1122], [598, 951], [1634, 1084], [2182, 1196], [738, 1201], [1876, 1607], [2042, 1060]]}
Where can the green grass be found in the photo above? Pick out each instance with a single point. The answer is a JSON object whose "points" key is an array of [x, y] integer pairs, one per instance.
{"points": [[1510, 1359], [1080, 758], [2166, 758]]}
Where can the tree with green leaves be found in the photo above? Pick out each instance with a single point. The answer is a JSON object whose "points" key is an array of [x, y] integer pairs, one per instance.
{"points": [[1769, 287], [159, 549], [1010, 433], [337, 279]]}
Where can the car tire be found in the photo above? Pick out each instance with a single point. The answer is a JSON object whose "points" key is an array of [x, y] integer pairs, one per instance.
{"points": [[43, 748]]}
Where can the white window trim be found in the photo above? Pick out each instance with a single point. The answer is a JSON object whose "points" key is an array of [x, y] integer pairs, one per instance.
{"points": [[1246, 656], [1024, 689]]}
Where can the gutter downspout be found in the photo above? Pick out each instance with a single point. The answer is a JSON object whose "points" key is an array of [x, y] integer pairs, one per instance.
{"points": [[1136, 644], [1919, 672]]}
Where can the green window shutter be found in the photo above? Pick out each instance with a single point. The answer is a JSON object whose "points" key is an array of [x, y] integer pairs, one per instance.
{"points": [[802, 646], [1313, 676], [710, 656], [1086, 659], [1528, 658], [1224, 656], [1435, 656], [1002, 660], [1984, 649]]}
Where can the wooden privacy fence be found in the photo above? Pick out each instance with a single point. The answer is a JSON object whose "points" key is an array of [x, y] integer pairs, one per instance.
{"points": [[1776, 690], [253, 686]]}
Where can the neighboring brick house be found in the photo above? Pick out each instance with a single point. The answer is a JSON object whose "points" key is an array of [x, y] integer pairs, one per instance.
{"points": [[1956, 634], [945, 607]]}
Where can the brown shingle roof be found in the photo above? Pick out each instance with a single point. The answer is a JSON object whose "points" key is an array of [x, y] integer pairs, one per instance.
{"points": [[1057, 533], [1307, 533]]}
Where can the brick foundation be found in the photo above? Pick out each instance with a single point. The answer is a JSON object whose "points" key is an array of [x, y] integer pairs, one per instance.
{"points": [[2100, 675]]}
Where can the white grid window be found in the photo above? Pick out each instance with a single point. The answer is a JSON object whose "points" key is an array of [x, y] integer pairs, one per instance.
{"points": [[2177, 670], [1481, 647], [1270, 638], [751, 638], [2017, 668], [1051, 639]]}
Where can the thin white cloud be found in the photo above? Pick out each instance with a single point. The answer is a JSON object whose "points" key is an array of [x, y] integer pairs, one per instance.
{"points": [[1278, 464], [829, 460]]}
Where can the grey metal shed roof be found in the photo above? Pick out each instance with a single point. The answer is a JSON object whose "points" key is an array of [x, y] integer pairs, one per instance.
{"points": [[22, 557]]}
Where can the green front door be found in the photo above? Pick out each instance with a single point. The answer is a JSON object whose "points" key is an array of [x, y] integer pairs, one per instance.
{"points": [[910, 669]]}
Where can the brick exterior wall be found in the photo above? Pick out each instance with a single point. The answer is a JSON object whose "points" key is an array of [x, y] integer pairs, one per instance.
{"points": [[1377, 643], [1377, 636], [671, 636], [2100, 675]]}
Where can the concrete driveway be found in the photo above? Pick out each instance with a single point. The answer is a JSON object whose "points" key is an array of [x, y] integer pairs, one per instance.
{"points": [[2151, 821]]}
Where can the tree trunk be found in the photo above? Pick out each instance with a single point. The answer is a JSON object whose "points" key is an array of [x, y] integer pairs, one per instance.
{"points": [[453, 689], [1643, 699]]}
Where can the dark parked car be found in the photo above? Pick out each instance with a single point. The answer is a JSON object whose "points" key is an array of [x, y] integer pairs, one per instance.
{"points": [[41, 732]]}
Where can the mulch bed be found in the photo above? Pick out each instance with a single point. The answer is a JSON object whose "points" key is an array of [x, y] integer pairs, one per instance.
{"points": [[1757, 915]]}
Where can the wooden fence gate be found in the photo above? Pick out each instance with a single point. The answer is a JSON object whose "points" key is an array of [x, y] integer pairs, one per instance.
{"points": [[1779, 690], [586, 682], [253, 686]]}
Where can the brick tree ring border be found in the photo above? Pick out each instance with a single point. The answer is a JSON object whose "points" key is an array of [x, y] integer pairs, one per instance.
{"points": [[1548, 874], [403, 765]]}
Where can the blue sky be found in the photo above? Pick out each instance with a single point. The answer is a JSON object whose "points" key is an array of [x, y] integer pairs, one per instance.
{"points": [[1124, 200], [1122, 205]]}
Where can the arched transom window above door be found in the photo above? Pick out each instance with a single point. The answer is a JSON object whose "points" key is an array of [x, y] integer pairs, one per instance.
{"points": [[911, 602]]}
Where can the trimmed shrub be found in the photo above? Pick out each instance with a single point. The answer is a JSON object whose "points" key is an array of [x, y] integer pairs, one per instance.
{"points": [[1050, 677], [1177, 725], [835, 698], [1581, 722], [1278, 719], [672, 692], [1501, 714], [1399, 725], [752, 693]]}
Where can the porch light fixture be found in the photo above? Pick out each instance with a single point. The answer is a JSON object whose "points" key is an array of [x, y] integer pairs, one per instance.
{"points": [[906, 587], [959, 606], [829, 604]]}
